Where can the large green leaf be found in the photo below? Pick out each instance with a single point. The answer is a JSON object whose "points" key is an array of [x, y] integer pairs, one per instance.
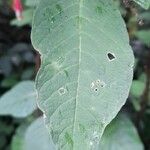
{"points": [[144, 3], [20, 101], [86, 71], [120, 134]]}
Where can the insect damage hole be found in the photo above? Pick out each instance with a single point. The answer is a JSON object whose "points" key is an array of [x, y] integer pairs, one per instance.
{"points": [[96, 89], [62, 91], [111, 56]]}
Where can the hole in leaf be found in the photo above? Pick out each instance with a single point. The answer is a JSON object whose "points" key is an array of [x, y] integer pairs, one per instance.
{"points": [[62, 91], [96, 89], [111, 56], [103, 84], [98, 81], [96, 85]]}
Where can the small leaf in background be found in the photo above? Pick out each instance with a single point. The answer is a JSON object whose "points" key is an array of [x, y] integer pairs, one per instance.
{"points": [[9, 81], [142, 77], [136, 103], [144, 36], [20, 101], [18, 138], [137, 88], [37, 137], [27, 16], [121, 134], [144, 3]]}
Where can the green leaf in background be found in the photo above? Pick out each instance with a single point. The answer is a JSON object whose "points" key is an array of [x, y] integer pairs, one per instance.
{"points": [[136, 92], [18, 138], [144, 3], [121, 134], [136, 103], [20, 101], [143, 77], [37, 137], [30, 137], [137, 88], [27, 16], [86, 71], [144, 36], [9, 82]]}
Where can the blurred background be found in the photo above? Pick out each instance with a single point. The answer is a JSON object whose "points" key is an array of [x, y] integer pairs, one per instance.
{"points": [[20, 62]]}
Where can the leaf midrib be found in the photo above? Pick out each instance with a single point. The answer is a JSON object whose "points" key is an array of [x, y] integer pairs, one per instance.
{"points": [[77, 93]]}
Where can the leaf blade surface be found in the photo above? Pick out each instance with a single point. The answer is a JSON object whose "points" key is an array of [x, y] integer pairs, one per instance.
{"points": [[86, 68]]}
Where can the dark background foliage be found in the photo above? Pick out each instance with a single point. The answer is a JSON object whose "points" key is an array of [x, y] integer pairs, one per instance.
{"points": [[17, 62]]}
